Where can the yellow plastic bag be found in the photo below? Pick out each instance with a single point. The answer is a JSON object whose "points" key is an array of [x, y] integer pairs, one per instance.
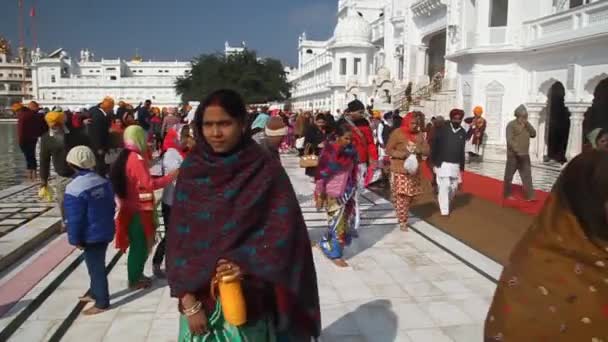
{"points": [[46, 193]]}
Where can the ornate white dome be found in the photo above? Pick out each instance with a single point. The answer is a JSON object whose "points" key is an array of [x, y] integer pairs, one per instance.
{"points": [[353, 29]]}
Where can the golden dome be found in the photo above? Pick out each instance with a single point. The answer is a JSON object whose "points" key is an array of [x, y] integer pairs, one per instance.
{"points": [[5, 47]]}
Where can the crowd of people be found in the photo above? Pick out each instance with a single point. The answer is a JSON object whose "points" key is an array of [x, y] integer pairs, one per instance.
{"points": [[232, 216]]}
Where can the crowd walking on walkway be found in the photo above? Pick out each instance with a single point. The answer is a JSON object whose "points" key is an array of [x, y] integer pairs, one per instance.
{"points": [[236, 248]]}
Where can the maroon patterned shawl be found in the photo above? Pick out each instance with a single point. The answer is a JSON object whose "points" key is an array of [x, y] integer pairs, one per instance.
{"points": [[242, 207]]}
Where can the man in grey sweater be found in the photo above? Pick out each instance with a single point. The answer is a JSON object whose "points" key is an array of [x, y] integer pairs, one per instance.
{"points": [[519, 133]]}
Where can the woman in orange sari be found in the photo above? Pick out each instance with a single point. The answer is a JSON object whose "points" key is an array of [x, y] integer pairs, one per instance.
{"points": [[555, 287]]}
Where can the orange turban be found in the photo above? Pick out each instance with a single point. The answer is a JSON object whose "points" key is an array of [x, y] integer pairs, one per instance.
{"points": [[16, 106], [54, 118], [478, 111]]}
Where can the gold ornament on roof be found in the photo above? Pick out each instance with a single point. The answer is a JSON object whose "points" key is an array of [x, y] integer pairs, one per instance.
{"points": [[137, 57], [5, 47]]}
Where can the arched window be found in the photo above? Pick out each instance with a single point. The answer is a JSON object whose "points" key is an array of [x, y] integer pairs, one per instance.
{"points": [[495, 93]]}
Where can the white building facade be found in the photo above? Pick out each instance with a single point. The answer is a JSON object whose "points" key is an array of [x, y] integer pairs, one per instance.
{"points": [[60, 80], [551, 55], [15, 77]]}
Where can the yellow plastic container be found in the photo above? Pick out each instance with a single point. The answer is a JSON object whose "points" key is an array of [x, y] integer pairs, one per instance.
{"points": [[233, 301]]}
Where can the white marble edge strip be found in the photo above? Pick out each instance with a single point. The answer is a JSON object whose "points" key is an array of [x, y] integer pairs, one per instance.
{"points": [[482, 262]]}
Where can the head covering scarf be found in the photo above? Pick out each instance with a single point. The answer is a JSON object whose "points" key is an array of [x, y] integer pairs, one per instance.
{"points": [[520, 110], [260, 121], [406, 127], [554, 286], [594, 135], [173, 140], [135, 139], [242, 207]]}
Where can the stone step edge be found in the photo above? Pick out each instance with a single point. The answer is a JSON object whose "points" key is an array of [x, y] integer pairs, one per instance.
{"points": [[29, 245]]}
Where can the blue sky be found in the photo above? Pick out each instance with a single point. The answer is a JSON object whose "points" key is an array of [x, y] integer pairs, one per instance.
{"points": [[171, 29]]}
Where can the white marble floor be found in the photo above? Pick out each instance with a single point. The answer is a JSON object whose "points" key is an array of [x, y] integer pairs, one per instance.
{"points": [[400, 287]]}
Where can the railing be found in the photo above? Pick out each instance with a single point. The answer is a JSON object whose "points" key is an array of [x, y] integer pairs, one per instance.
{"points": [[493, 36], [577, 22], [425, 7], [407, 97]]}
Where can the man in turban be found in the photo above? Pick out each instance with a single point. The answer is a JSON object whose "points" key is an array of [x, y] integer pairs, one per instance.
{"points": [[447, 156], [99, 132], [53, 149], [519, 133], [477, 128]]}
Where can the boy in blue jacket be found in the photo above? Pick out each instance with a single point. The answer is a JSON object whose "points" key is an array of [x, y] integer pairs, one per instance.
{"points": [[89, 211]]}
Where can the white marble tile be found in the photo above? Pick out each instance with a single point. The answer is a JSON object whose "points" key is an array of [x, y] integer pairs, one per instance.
{"points": [[429, 335], [465, 333], [339, 321], [421, 289], [477, 308], [164, 330], [446, 314], [87, 331], [412, 316], [451, 286], [34, 330], [130, 326]]}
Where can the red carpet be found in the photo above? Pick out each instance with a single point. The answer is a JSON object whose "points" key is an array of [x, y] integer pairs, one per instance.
{"points": [[491, 189]]}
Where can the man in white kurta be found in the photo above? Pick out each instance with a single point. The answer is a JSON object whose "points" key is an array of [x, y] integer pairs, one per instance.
{"points": [[448, 158]]}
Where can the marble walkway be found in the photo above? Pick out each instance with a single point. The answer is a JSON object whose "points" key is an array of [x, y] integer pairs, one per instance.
{"points": [[399, 287]]}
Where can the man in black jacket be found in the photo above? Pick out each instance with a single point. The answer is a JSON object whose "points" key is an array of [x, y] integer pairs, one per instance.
{"points": [[448, 159], [99, 133], [143, 116]]}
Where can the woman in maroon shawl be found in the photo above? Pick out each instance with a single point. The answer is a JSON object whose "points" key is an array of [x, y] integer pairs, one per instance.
{"points": [[235, 213]]}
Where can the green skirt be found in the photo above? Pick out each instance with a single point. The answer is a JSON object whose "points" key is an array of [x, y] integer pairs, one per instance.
{"points": [[222, 331]]}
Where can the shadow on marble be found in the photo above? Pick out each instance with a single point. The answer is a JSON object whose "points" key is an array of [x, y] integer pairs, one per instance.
{"points": [[372, 321], [426, 210], [134, 294]]}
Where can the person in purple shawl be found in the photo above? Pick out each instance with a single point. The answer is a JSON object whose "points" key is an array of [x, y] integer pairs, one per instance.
{"points": [[336, 182], [235, 213]]}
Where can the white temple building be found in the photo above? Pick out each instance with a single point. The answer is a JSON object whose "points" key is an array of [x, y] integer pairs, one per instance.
{"points": [[15, 76], [551, 55], [61, 80]]}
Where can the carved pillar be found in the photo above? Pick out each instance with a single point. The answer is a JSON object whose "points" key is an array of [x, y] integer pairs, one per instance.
{"points": [[575, 138], [537, 144]]}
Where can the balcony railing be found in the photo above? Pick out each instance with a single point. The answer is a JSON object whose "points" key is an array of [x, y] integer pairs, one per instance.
{"points": [[578, 22], [493, 36], [378, 30]]}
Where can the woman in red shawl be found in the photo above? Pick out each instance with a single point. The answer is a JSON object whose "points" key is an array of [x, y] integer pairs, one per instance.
{"points": [[406, 142], [134, 187], [235, 214]]}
